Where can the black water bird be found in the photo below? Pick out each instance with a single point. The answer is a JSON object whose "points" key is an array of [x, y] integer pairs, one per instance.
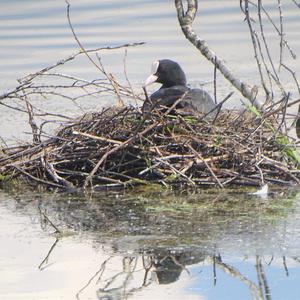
{"points": [[174, 89]]}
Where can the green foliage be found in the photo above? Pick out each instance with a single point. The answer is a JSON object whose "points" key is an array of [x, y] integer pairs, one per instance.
{"points": [[254, 110], [3, 178], [190, 120], [218, 140], [171, 178], [288, 150]]}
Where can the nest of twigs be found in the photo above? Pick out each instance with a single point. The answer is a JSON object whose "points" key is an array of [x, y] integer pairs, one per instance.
{"points": [[123, 147]]}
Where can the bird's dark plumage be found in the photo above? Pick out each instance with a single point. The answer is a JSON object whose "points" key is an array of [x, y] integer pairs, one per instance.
{"points": [[173, 80]]}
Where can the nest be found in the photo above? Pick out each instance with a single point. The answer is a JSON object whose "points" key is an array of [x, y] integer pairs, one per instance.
{"points": [[123, 147]]}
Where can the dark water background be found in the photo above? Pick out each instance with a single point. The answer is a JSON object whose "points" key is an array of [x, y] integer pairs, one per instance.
{"points": [[134, 245]]}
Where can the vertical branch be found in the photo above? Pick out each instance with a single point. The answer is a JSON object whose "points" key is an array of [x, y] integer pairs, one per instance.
{"points": [[215, 82], [186, 21], [192, 9], [285, 266], [35, 131], [293, 55], [255, 291], [127, 78], [255, 42], [283, 43], [298, 123], [78, 41], [262, 34], [285, 103], [99, 66], [281, 34], [214, 270], [262, 280]]}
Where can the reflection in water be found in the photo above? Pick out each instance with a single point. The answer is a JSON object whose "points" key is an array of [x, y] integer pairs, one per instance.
{"points": [[135, 273], [191, 246], [188, 246]]}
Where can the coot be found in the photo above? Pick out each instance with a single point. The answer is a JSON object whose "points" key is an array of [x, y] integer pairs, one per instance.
{"points": [[173, 80]]}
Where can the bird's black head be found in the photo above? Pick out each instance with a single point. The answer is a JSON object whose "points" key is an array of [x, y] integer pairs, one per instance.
{"points": [[166, 72]]}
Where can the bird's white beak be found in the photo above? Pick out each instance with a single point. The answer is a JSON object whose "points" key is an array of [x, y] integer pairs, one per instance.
{"points": [[151, 79]]}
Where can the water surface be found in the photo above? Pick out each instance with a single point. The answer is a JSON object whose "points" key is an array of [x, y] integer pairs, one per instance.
{"points": [[158, 245], [36, 34], [152, 246]]}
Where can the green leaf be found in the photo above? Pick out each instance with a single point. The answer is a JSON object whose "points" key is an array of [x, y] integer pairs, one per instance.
{"points": [[254, 110], [289, 150]]}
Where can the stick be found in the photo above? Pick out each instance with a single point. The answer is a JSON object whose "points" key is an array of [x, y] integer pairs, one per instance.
{"points": [[115, 149], [186, 20]]}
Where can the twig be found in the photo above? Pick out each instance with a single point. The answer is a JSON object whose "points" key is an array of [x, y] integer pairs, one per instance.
{"points": [[256, 293], [285, 266], [25, 80], [298, 4], [100, 271], [41, 267], [207, 165], [38, 179], [176, 171], [186, 20], [262, 280], [128, 81], [99, 138], [256, 45], [49, 221], [283, 114], [215, 83], [281, 34], [219, 107], [115, 149]]}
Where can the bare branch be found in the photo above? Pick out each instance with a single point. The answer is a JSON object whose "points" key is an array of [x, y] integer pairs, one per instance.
{"points": [[298, 4], [255, 43], [186, 21]]}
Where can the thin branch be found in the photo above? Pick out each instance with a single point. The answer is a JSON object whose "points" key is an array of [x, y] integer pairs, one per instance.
{"points": [[255, 43], [45, 260], [281, 34], [186, 21]]}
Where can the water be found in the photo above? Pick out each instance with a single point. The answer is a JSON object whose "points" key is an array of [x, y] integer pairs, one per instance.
{"points": [[154, 245], [36, 34]]}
